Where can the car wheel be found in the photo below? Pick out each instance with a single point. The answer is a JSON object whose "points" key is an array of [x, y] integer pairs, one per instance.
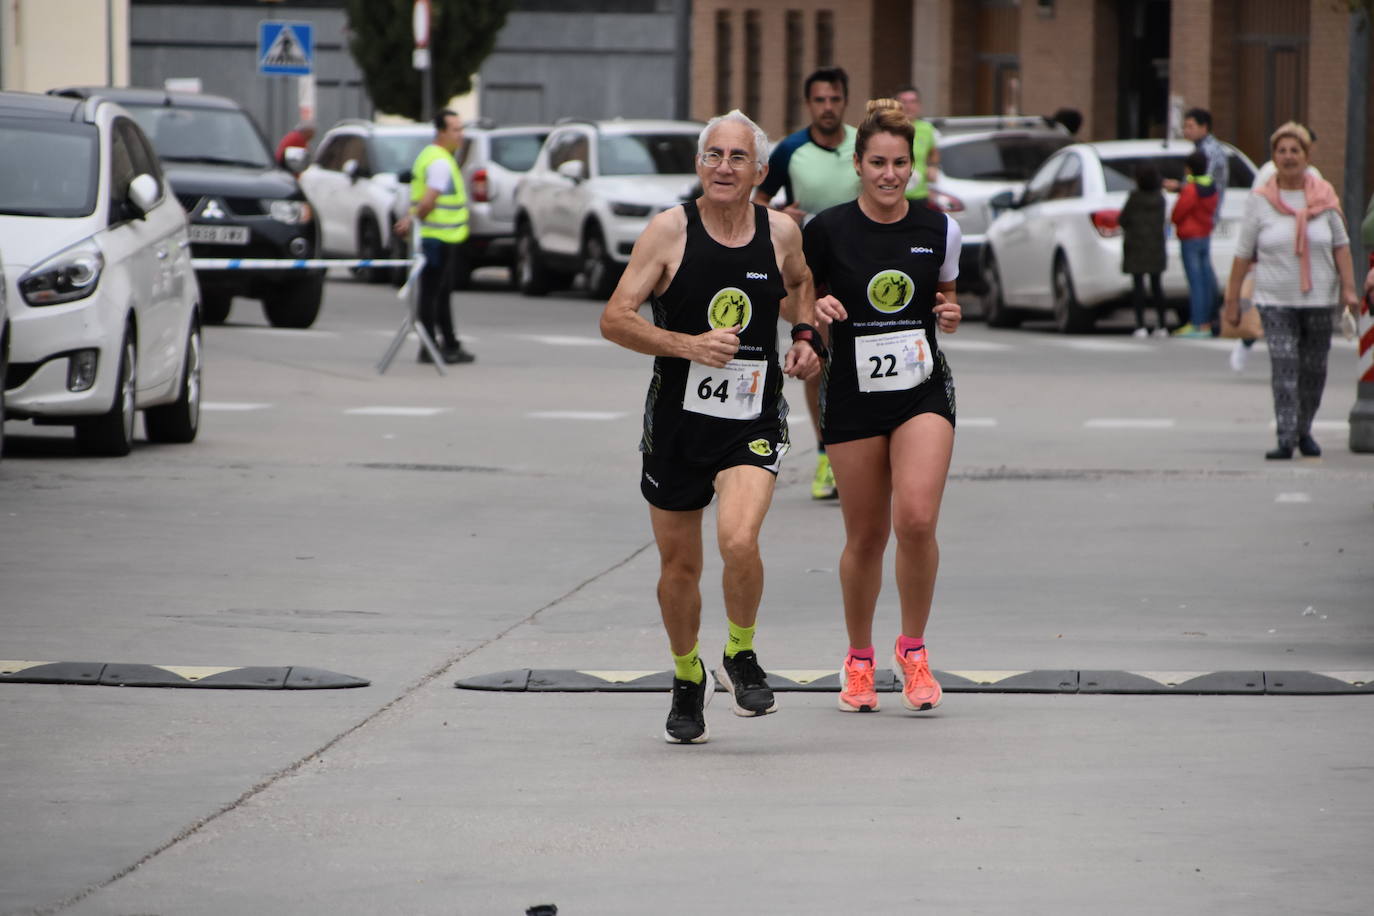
{"points": [[602, 273], [214, 307], [180, 420], [531, 278], [295, 304], [1069, 316], [995, 310], [112, 433], [370, 246]]}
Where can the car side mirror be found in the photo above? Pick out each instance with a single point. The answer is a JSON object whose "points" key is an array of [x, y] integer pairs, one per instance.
{"points": [[575, 169], [1006, 200], [350, 168], [295, 158], [403, 176], [143, 194]]}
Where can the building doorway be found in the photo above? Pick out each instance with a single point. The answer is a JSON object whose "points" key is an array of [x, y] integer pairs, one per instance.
{"points": [[1143, 71]]}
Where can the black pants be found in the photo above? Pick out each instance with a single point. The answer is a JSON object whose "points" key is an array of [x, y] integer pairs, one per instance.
{"points": [[436, 286], [1138, 298], [1299, 340]]}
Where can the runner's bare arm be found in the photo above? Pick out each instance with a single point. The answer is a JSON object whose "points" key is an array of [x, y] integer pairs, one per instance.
{"points": [[653, 261], [948, 314], [800, 360]]}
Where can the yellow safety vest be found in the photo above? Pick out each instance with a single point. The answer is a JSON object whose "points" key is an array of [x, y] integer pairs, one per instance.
{"points": [[448, 221]]}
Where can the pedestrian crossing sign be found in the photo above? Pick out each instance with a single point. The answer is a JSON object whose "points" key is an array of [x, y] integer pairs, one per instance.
{"points": [[286, 47]]}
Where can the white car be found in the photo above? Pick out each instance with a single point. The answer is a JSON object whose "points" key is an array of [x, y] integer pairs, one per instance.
{"points": [[591, 193], [1056, 248], [102, 298], [356, 182]]}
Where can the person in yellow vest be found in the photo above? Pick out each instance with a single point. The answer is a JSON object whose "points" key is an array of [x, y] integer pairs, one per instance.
{"points": [[925, 156], [440, 202]]}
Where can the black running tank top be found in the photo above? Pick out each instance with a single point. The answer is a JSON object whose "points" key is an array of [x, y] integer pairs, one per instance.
{"points": [[717, 287]]}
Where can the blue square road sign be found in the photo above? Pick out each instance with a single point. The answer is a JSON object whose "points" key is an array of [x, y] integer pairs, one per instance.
{"points": [[286, 47]]}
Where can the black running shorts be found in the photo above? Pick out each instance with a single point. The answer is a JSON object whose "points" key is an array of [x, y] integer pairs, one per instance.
{"points": [[679, 486]]}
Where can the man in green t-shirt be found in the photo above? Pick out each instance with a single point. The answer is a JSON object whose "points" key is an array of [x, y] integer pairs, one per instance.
{"points": [[925, 156]]}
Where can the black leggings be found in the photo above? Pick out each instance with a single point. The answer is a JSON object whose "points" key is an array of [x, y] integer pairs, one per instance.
{"points": [[1138, 297], [1299, 340]]}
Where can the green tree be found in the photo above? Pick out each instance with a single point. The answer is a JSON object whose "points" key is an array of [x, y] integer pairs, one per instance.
{"points": [[461, 35]]}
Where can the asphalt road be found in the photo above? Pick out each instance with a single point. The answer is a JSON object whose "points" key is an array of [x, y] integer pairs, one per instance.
{"points": [[1109, 509]]}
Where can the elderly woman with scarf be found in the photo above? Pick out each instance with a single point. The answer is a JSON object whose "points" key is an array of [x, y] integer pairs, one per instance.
{"points": [[1294, 233]]}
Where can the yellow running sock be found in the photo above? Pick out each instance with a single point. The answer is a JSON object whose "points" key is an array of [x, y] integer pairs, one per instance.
{"points": [[687, 668], [740, 639]]}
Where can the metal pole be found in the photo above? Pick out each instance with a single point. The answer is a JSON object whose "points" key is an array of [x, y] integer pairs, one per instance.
{"points": [[1362, 414], [427, 94]]}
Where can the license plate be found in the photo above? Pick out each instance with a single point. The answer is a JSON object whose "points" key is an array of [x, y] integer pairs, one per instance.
{"points": [[220, 235]]}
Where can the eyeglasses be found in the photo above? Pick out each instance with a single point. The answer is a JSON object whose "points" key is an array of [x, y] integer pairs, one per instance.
{"points": [[713, 159]]}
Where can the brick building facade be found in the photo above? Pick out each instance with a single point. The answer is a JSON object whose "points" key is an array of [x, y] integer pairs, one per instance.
{"points": [[1131, 67]]}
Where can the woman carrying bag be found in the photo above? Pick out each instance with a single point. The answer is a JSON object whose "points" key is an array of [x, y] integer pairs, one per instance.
{"points": [[1293, 233]]}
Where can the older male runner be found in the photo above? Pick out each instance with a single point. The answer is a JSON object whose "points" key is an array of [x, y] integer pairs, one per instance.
{"points": [[815, 169], [719, 272]]}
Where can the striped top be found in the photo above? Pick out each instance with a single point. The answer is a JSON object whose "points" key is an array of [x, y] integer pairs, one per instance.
{"points": [[1268, 237]]}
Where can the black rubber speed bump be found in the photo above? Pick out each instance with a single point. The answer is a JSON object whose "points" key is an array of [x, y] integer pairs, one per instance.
{"points": [[1194, 683], [112, 674]]}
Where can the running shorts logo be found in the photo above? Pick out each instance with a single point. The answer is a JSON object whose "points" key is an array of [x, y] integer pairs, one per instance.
{"points": [[761, 447], [754, 275], [730, 308], [890, 291]]}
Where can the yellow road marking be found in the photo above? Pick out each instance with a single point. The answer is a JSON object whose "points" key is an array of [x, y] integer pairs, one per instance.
{"points": [[194, 672], [986, 677], [805, 676], [619, 677], [16, 667], [1170, 678]]}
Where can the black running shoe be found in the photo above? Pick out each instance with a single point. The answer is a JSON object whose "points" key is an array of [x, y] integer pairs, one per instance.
{"points": [[687, 718], [746, 682]]}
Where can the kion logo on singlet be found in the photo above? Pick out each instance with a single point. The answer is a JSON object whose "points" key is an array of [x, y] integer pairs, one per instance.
{"points": [[890, 291], [730, 308]]}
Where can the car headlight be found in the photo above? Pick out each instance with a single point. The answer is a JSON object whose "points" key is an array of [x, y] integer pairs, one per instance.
{"points": [[290, 212], [631, 209], [67, 276]]}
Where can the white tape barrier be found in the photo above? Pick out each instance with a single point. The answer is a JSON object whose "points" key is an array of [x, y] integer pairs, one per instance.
{"points": [[301, 264]]}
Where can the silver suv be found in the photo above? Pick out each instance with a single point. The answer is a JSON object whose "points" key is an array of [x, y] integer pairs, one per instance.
{"points": [[589, 195], [980, 157]]}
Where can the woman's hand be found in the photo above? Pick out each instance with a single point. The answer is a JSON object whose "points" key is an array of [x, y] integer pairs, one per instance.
{"points": [[947, 314], [829, 309], [1230, 310]]}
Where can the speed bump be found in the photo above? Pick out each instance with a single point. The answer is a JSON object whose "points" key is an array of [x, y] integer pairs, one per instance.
{"points": [[1191, 683], [114, 674]]}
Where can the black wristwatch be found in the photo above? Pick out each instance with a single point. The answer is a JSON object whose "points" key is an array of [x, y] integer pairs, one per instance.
{"points": [[812, 336]]}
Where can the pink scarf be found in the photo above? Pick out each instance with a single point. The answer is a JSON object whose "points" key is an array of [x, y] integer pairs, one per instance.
{"points": [[1320, 196]]}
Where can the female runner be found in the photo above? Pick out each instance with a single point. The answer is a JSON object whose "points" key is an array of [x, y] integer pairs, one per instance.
{"points": [[885, 268]]}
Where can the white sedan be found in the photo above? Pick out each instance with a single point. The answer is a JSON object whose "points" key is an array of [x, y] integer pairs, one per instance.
{"points": [[102, 296], [1056, 247]]}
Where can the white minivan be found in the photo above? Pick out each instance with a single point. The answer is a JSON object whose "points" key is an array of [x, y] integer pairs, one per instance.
{"points": [[102, 298]]}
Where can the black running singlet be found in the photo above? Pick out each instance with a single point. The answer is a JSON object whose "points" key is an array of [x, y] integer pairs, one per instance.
{"points": [[885, 357], [695, 412]]}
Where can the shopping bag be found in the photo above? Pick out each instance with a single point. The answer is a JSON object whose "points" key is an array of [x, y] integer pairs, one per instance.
{"points": [[1249, 325]]}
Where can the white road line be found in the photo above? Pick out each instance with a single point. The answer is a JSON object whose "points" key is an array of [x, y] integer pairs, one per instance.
{"points": [[288, 332], [976, 422], [396, 411], [1293, 498], [565, 340], [575, 415], [228, 406], [1128, 423], [1104, 346], [964, 345]]}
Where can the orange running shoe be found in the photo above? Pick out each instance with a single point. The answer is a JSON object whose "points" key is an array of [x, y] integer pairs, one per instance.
{"points": [[856, 686], [920, 690]]}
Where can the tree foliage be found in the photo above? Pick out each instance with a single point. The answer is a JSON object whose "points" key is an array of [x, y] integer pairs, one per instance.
{"points": [[461, 35]]}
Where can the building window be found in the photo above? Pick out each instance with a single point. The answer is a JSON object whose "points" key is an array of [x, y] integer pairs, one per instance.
{"points": [[725, 52], [793, 85], [753, 54], [825, 38]]}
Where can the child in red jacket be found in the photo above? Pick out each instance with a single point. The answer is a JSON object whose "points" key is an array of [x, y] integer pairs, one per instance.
{"points": [[1193, 216]]}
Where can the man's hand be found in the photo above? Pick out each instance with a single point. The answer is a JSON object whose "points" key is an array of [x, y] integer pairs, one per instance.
{"points": [[1369, 282], [828, 310], [797, 213], [715, 348], [801, 361], [402, 227], [1171, 184], [947, 314]]}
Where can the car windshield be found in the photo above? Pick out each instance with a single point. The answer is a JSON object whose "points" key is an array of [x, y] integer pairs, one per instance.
{"points": [[998, 158], [516, 152], [223, 136], [1119, 171], [51, 169], [396, 153], [647, 154]]}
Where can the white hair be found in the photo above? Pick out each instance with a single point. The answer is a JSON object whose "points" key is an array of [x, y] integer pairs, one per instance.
{"points": [[760, 137]]}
